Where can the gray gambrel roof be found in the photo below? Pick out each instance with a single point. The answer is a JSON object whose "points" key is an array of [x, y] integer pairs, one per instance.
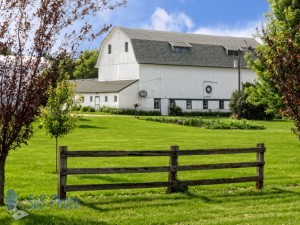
{"points": [[95, 86], [155, 47]]}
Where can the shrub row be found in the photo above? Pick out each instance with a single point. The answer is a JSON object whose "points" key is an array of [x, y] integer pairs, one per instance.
{"points": [[115, 110], [227, 123], [128, 111], [177, 120], [230, 123], [208, 113], [88, 109], [83, 108]]}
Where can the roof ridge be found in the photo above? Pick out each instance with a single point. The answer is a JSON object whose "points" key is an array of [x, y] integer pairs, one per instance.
{"points": [[179, 33]]}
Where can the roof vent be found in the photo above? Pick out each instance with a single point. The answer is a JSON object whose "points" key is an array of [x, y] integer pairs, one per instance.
{"points": [[143, 93]]}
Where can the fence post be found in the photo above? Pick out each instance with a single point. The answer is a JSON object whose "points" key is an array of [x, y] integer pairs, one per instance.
{"points": [[260, 169], [173, 165], [62, 179]]}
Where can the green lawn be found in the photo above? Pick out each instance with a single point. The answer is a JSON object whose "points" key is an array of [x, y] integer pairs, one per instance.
{"points": [[31, 171]]}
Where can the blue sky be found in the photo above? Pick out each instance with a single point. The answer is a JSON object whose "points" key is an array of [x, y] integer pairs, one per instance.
{"points": [[215, 17]]}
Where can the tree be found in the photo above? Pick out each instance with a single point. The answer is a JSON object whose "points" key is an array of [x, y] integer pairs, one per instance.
{"points": [[85, 65], [240, 105], [56, 115], [31, 30], [279, 55], [66, 65], [264, 92]]}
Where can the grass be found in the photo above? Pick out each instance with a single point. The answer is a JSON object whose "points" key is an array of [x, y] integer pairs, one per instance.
{"points": [[31, 170]]}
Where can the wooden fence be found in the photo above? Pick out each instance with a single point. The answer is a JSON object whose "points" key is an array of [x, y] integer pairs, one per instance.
{"points": [[173, 184]]}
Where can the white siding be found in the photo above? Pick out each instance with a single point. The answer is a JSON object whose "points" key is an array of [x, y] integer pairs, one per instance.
{"points": [[101, 96], [129, 96], [119, 65], [110, 100], [89, 99], [184, 82], [197, 105]]}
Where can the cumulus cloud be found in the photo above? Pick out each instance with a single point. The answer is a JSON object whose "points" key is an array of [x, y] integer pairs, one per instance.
{"points": [[180, 22], [164, 21]]}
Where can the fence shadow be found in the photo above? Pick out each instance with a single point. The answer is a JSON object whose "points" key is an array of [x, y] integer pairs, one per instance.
{"points": [[134, 200], [104, 178]]}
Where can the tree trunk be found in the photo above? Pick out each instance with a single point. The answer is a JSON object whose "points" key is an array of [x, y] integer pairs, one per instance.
{"points": [[2, 178], [56, 147]]}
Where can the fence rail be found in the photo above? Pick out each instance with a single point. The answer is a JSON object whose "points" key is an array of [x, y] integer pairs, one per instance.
{"points": [[173, 184]]}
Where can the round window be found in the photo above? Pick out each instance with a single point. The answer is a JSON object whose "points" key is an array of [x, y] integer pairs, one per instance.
{"points": [[208, 89]]}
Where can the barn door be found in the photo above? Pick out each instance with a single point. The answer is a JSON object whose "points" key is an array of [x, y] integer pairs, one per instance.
{"points": [[97, 102]]}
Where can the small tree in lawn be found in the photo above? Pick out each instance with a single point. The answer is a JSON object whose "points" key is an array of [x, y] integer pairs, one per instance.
{"points": [[29, 31], [56, 116]]}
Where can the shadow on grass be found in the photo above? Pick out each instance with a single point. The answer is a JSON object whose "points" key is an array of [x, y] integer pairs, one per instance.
{"points": [[131, 203], [282, 191], [105, 178], [84, 119], [258, 195], [89, 126], [205, 199], [135, 200], [33, 219]]}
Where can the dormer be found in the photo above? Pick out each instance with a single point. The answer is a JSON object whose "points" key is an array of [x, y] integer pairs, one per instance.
{"points": [[180, 47], [231, 50]]}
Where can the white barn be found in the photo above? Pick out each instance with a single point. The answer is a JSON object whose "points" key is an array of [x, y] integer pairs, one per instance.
{"points": [[157, 69]]}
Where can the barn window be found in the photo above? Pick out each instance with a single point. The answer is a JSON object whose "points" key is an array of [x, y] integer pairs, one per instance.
{"points": [[205, 104], [233, 52], [172, 103], [126, 46], [105, 98], [221, 104], [109, 49], [156, 103], [115, 98], [91, 98], [180, 50], [188, 104]]}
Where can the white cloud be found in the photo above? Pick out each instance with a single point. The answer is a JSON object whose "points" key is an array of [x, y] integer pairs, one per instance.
{"points": [[248, 30], [162, 20], [180, 22]]}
